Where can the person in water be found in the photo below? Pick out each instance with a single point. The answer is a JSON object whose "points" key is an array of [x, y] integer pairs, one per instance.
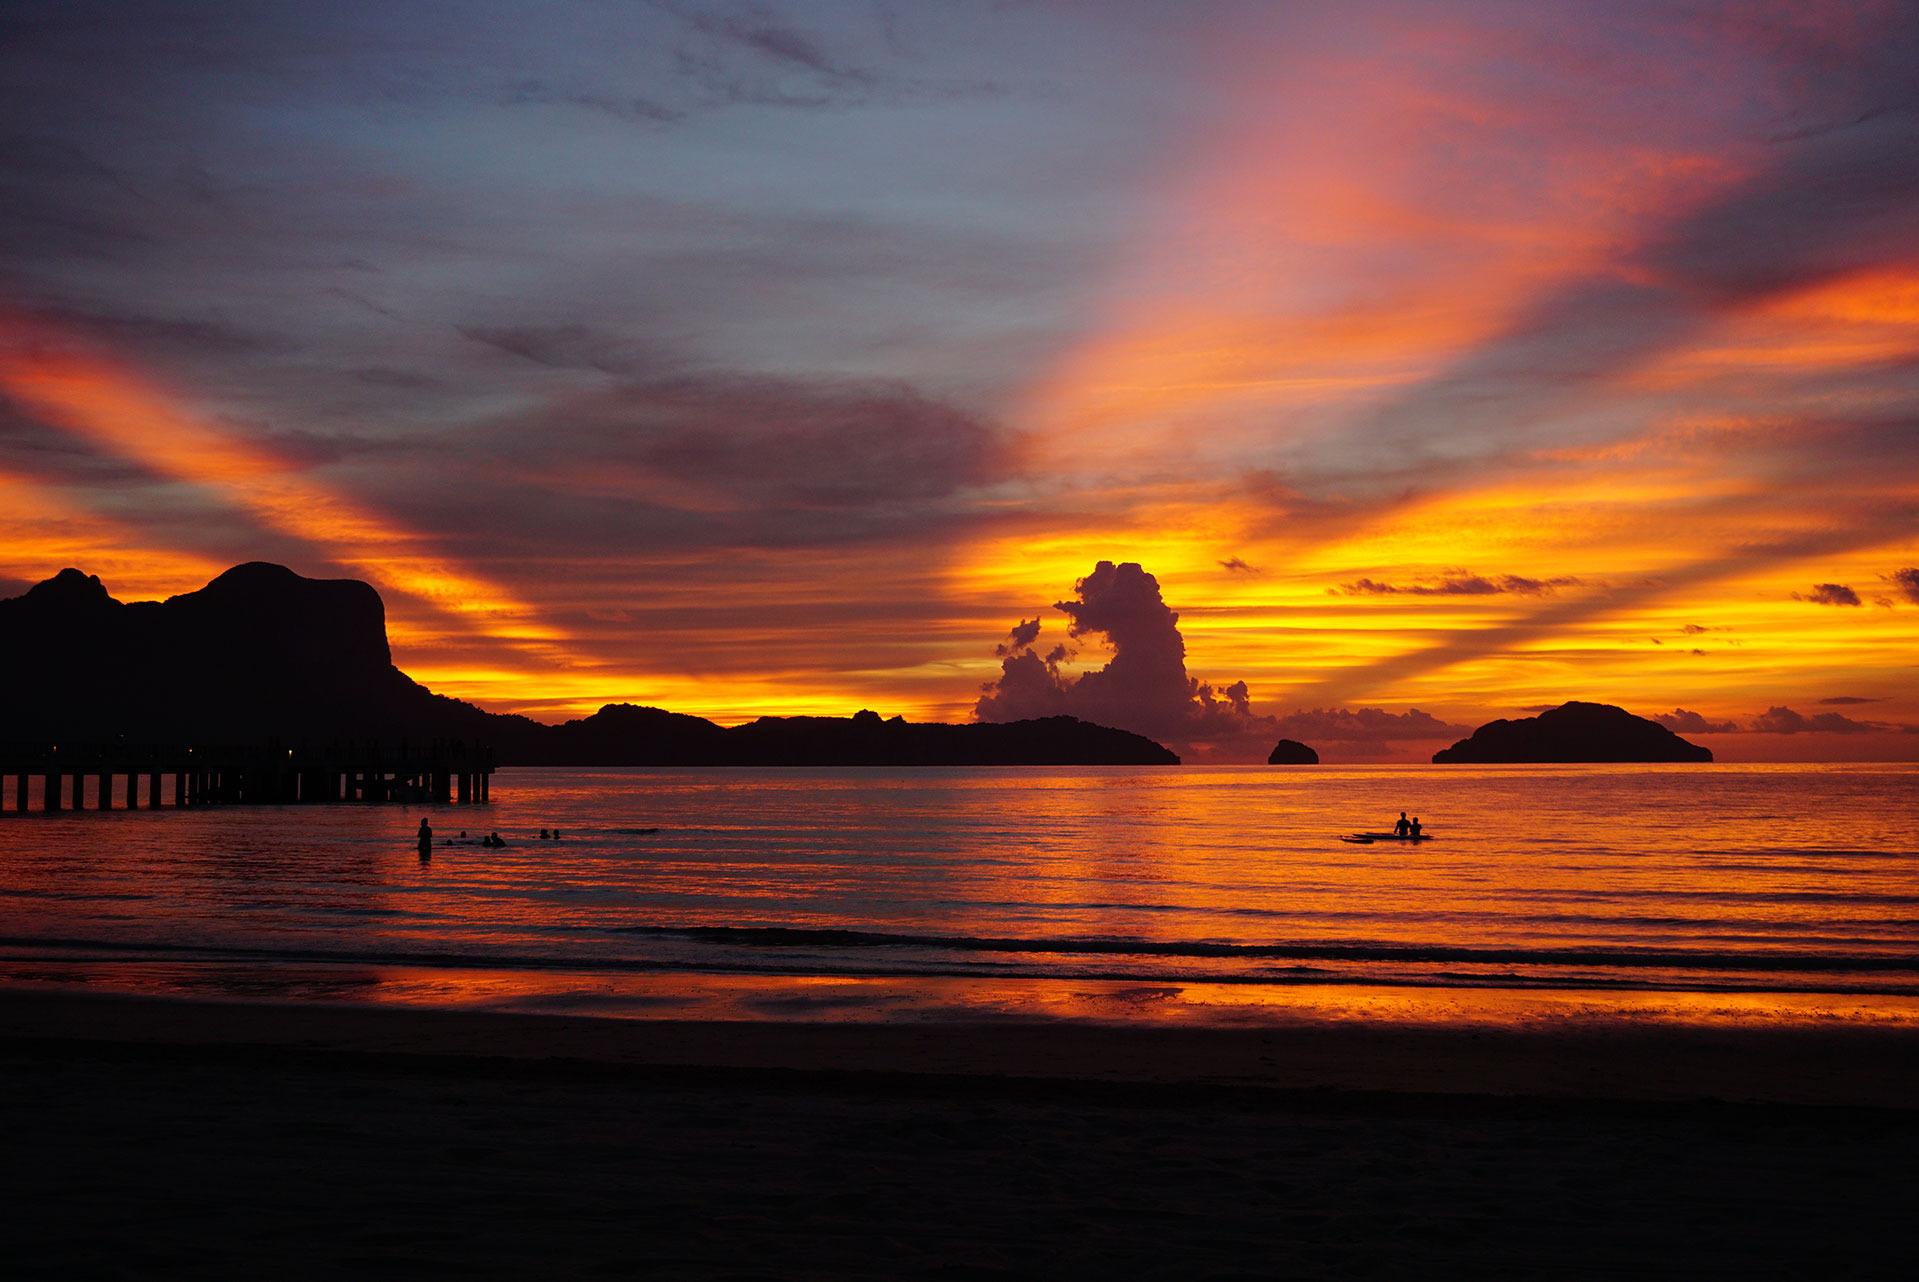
{"points": [[1413, 828], [1402, 828], [426, 841]]}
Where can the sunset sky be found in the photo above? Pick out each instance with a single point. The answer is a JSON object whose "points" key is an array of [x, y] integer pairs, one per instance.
{"points": [[1432, 363]]}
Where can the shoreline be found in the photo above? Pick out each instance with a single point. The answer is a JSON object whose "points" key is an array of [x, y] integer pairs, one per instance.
{"points": [[1849, 1065]]}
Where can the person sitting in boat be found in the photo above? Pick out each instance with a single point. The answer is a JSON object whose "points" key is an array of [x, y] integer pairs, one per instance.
{"points": [[1413, 828], [1402, 828]]}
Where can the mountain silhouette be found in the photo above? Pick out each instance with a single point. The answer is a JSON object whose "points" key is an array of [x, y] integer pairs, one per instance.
{"points": [[1573, 732], [262, 653]]}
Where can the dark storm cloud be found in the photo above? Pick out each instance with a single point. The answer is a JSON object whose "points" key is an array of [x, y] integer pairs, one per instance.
{"points": [[1144, 687], [1461, 584], [1829, 594]]}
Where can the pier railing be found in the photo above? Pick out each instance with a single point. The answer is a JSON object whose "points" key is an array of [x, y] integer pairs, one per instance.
{"points": [[57, 776]]}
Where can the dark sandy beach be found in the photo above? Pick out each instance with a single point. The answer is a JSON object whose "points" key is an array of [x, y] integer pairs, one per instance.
{"points": [[167, 1138]]}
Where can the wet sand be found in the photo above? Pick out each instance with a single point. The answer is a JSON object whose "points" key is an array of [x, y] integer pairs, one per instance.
{"points": [[152, 1137]]}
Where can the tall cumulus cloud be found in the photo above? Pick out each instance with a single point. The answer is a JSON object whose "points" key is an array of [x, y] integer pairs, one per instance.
{"points": [[1144, 687]]}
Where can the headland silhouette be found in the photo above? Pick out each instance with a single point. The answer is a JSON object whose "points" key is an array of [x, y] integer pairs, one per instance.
{"points": [[264, 653]]}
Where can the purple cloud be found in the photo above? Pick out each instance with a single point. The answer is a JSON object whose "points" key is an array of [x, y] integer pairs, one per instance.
{"points": [[1681, 721], [1828, 594], [1782, 720], [1020, 638], [1144, 687], [1461, 584]]}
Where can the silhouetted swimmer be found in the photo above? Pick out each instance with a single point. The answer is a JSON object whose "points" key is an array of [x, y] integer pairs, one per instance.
{"points": [[492, 839], [1402, 828], [1414, 826], [426, 841]]}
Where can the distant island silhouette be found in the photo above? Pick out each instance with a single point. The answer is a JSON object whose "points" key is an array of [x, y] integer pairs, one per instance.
{"points": [[1291, 752], [1572, 732], [262, 652]]}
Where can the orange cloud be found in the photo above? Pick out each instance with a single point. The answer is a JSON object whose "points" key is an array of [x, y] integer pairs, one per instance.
{"points": [[41, 532]]}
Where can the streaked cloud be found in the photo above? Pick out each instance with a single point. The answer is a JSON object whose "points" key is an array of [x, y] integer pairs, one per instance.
{"points": [[1783, 720], [1460, 584]]}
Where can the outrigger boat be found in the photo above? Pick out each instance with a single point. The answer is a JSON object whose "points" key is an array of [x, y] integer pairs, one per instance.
{"points": [[1368, 838]]}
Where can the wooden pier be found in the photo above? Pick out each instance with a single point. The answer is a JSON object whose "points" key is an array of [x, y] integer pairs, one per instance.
{"points": [[61, 777]]}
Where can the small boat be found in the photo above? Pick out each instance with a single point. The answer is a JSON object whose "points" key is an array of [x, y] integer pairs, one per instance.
{"points": [[1368, 838]]}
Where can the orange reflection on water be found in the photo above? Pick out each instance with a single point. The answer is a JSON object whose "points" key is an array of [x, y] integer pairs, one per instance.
{"points": [[868, 999]]}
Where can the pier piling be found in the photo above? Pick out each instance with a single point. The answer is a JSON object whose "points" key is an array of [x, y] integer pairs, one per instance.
{"points": [[444, 771]]}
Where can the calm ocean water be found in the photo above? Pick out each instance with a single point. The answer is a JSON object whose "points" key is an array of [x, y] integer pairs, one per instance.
{"points": [[1191, 893]]}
